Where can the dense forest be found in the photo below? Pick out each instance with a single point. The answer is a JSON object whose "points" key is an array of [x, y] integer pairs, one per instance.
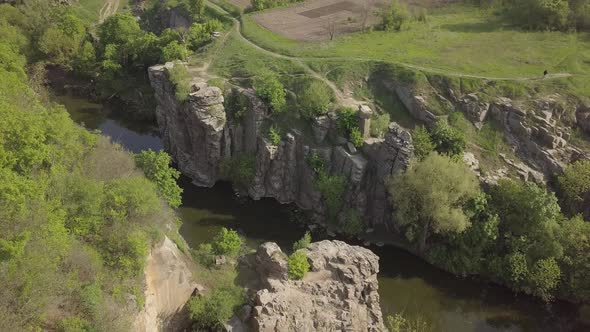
{"points": [[77, 213]]}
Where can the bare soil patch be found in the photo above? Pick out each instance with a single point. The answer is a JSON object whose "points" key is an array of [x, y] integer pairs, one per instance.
{"points": [[319, 19]]}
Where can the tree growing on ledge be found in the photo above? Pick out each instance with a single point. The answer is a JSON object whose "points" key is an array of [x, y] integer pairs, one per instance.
{"points": [[429, 197]]}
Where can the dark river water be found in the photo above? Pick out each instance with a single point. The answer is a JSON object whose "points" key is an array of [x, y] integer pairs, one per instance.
{"points": [[406, 283]]}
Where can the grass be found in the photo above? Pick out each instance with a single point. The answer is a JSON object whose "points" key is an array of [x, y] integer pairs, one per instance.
{"points": [[88, 10], [457, 39]]}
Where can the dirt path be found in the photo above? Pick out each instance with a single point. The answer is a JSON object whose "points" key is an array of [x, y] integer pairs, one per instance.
{"points": [[346, 99], [109, 8]]}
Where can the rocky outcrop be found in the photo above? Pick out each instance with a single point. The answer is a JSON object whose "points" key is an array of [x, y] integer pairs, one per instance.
{"points": [[340, 293], [192, 132], [199, 134], [417, 105], [536, 134], [169, 285]]}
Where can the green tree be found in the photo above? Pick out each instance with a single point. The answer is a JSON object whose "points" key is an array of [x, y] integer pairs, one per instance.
{"points": [[448, 140], [298, 265], [227, 242], [540, 14], [380, 124], [423, 145], [394, 16], [429, 197], [180, 77], [302, 243], [269, 88], [174, 51], [213, 311], [314, 98], [197, 7], [156, 167], [574, 236], [574, 187]]}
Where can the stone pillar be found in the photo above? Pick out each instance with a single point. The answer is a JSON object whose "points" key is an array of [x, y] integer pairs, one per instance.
{"points": [[365, 113]]}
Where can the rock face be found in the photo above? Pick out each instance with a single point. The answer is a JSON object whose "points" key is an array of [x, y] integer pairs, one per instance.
{"points": [[199, 135], [338, 294], [169, 285]]}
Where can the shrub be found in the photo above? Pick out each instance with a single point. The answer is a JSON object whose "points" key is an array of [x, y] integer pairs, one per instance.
{"points": [[269, 88], [314, 98], [204, 254], [240, 170], [356, 137], [302, 243], [180, 78], [274, 135], [237, 104], [298, 265], [227, 242], [213, 311], [379, 124], [423, 145]]}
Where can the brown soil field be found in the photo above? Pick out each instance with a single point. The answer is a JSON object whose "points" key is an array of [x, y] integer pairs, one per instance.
{"points": [[319, 19]]}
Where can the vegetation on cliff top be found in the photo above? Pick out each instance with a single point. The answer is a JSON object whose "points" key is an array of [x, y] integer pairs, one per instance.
{"points": [[78, 215]]}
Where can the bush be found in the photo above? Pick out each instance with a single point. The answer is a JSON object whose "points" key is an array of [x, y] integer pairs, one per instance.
{"points": [[379, 124], [180, 78], [227, 242], [302, 243], [298, 265], [423, 145], [240, 170], [213, 311], [269, 88], [356, 137], [314, 98], [274, 135]]}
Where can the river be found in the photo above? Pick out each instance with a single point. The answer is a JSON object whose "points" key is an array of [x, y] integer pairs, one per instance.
{"points": [[406, 283]]}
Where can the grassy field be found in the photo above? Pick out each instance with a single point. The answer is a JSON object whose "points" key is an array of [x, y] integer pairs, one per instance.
{"points": [[457, 39]]}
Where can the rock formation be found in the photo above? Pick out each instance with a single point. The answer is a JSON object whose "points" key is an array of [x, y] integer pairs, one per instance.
{"points": [[201, 132], [338, 294], [169, 285]]}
